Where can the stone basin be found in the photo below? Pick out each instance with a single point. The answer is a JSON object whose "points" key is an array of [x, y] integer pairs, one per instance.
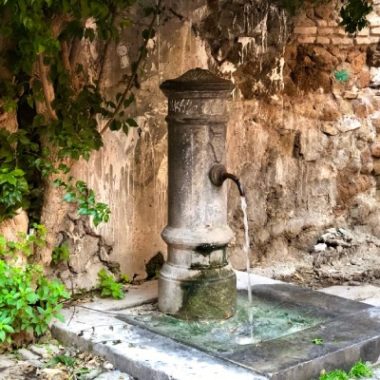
{"points": [[280, 343], [135, 337]]}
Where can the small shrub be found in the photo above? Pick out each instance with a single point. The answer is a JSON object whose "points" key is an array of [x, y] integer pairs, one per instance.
{"points": [[125, 279], [84, 198], [108, 286], [25, 245], [61, 254], [338, 374], [66, 360], [360, 370], [28, 300]]}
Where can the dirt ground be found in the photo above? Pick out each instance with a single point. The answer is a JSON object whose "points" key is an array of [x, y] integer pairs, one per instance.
{"points": [[338, 258]]}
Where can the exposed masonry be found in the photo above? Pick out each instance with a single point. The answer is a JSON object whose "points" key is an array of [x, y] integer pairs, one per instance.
{"points": [[321, 25], [305, 144], [89, 253]]}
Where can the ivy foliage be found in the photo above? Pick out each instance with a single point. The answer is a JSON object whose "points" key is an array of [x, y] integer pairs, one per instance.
{"points": [[353, 12], [25, 244], [108, 286], [58, 106], [61, 254]]}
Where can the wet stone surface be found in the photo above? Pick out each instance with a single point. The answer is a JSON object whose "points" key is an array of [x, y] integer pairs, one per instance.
{"points": [[279, 342], [349, 331], [252, 324]]}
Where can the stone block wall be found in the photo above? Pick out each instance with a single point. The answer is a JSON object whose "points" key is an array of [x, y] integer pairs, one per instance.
{"points": [[321, 25]]}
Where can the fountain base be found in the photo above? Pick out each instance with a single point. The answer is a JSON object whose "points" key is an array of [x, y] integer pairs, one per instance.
{"points": [[191, 294], [287, 321]]}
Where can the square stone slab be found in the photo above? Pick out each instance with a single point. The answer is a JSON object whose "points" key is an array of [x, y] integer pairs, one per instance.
{"points": [[349, 330]]}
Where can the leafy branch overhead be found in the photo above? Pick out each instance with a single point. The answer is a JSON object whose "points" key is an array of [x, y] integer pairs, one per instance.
{"points": [[58, 105], [45, 81]]}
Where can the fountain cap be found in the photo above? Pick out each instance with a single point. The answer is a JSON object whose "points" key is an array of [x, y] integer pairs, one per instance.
{"points": [[198, 81]]}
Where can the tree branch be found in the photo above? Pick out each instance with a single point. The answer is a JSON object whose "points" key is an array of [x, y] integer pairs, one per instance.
{"points": [[103, 59], [46, 86], [132, 78], [67, 65]]}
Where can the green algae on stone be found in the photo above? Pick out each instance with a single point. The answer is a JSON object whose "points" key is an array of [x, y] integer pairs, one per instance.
{"points": [[252, 323], [211, 295]]}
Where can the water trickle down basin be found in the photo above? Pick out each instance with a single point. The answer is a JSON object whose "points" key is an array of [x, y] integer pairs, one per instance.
{"points": [[271, 331]]}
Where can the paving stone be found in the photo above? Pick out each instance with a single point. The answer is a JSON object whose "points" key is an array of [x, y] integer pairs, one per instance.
{"points": [[6, 361], [53, 374], [114, 375], [93, 374], [44, 351], [242, 280], [29, 356], [21, 370], [136, 295], [357, 293], [141, 353], [375, 301]]}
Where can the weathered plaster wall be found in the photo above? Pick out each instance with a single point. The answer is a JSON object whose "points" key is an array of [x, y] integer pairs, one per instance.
{"points": [[304, 144]]}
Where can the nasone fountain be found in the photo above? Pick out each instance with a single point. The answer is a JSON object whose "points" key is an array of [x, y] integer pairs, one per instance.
{"points": [[269, 331], [204, 326], [197, 281]]}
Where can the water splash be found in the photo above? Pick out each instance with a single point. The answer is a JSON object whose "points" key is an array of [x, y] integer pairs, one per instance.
{"points": [[243, 205]]}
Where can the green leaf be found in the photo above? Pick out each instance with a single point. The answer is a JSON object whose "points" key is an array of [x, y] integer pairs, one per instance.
{"points": [[132, 122], [69, 197]]}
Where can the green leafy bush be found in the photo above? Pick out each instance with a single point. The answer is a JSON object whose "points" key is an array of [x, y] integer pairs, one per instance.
{"points": [[26, 243], [28, 300], [37, 51], [108, 286], [66, 360], [84, 198], [360, 370], [61, 254], [13, 189], [338, 374]]}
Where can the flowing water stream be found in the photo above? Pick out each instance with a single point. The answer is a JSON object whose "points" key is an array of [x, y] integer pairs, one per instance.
{"points": [[246, 245]]}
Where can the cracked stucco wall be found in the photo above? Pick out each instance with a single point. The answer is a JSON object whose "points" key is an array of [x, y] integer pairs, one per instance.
{"points": [[303, 143]]}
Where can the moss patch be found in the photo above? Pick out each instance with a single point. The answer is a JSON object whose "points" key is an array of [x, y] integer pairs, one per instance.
{"points": [[209, 296]]}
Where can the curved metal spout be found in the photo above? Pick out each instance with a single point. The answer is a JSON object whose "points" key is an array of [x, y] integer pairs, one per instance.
{"points": [[218, 174], [237, 182]]}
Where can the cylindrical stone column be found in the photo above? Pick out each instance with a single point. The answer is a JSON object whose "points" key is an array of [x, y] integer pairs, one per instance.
{"points": [[197, 281]]}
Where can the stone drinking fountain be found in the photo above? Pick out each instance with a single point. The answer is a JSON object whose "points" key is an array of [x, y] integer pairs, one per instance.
{"points": [[202, 308], [197, 282]]}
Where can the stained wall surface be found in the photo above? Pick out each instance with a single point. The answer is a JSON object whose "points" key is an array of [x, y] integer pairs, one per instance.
{"points": [[303, 132]]}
